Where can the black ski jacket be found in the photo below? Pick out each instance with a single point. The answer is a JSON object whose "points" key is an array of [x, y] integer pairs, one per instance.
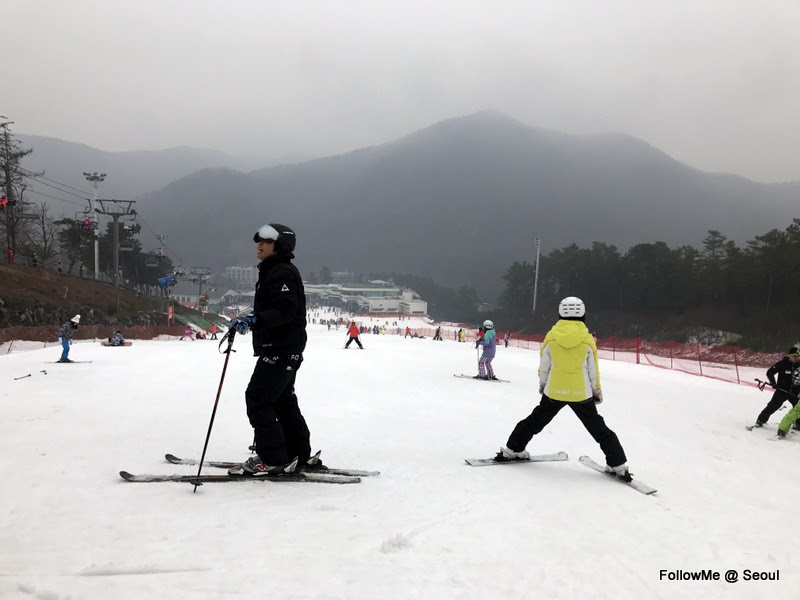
{"points": [[280, 308], [788, 376]]}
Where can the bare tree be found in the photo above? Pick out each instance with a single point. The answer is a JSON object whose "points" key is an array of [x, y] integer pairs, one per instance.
{"points": [[42, 236]]}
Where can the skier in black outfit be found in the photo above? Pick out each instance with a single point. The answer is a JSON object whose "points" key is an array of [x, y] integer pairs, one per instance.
{"points": [[278, 323], [785, 388]]}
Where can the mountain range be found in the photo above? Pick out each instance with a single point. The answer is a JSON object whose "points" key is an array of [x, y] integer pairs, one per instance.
{"points": [[461, 200], [129, 174]]}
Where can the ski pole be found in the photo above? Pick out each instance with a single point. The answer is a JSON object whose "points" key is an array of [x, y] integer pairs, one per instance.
{"points": [[229, 335], [23, 377], [763, 384]]}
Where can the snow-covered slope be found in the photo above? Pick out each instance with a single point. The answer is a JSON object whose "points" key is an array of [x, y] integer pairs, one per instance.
{"points": [[428, 527]]}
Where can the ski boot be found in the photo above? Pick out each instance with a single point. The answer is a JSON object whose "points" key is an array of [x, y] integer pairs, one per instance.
{"points": [[620, 472], [255, 467], [508, 455], [313, 463]]}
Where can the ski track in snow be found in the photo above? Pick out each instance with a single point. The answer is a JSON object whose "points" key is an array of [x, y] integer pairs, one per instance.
{"points": [[428, 527]]}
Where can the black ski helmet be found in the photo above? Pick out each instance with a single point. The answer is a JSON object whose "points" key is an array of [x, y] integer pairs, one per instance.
{"points": [[282, 235]]}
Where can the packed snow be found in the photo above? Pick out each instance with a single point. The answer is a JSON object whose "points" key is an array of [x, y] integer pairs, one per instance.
{"points": [[429, 526]]}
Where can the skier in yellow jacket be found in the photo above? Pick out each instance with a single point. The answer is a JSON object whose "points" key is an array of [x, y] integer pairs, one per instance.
{"points": [[569, 375]]}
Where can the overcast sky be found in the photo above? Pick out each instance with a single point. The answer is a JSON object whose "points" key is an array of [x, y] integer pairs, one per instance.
{"points": [[714, 83]]}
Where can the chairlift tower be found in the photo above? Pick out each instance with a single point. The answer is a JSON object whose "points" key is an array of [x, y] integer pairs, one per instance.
{"points": [[116, 209], [95, 179]]}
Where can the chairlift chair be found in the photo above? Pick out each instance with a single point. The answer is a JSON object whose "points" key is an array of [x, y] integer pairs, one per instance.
{"points": [[85, 220]]}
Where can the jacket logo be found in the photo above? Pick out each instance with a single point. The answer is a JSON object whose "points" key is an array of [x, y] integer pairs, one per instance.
{"points": [[285, 288]]}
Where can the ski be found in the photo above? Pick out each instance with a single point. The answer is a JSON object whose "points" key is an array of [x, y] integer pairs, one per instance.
{"points": [[465, 376], [485, 462], [171, 458], [72, 362], [285, 478], [637, 485]]}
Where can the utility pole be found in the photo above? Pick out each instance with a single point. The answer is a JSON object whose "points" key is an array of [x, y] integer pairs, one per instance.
{"points": [[536, 277], [11, 240], [123, 210], [95, 179]]}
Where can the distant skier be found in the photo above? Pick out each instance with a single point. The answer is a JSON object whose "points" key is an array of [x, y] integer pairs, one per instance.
{"points": [[65, 335], [438, 334], [278, 323], [506, 339], [786, 387], [353, 332], [489, 343], [569, 375], [214, 331], [116, 339]]}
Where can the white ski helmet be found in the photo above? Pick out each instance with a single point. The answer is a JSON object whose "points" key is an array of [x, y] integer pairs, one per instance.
{"points": [[571, 307], [487, 324], [76, 319]]}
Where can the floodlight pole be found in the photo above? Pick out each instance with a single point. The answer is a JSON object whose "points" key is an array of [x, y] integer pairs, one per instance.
{"points": [[123, 209], [536, 276], [95, 179]]}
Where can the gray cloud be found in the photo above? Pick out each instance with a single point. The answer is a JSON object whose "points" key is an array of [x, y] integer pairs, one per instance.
{"points": [[715, 84]]}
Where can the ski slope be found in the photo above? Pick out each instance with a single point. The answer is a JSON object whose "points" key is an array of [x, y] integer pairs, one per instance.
{"points": [[429, 527]]}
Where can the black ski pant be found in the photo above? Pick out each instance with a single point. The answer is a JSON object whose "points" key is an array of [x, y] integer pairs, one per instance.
{"points": [[354, 339], [586, 411], [778, 398], [281, 433]]}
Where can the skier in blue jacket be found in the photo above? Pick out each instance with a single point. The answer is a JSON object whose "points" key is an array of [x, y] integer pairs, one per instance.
{"points": [[65, 335]]}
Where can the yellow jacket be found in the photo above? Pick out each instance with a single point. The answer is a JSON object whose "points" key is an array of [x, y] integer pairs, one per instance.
{"points": [[568, 367]]}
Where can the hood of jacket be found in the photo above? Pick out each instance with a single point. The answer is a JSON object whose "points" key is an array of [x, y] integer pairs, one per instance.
{"points": [[569, 334]]}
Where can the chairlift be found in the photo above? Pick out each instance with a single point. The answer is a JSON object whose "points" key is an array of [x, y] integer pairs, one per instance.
{"points": [[126, 245], [150, 261], [85, 220], [133, 227], [21, 214]]}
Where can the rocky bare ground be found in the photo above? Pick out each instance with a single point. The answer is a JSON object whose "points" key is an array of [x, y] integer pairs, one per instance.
{"points": [[35, 297]]}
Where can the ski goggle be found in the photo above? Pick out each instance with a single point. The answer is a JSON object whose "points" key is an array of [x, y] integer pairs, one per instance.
{"points": [[266, 233]]}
